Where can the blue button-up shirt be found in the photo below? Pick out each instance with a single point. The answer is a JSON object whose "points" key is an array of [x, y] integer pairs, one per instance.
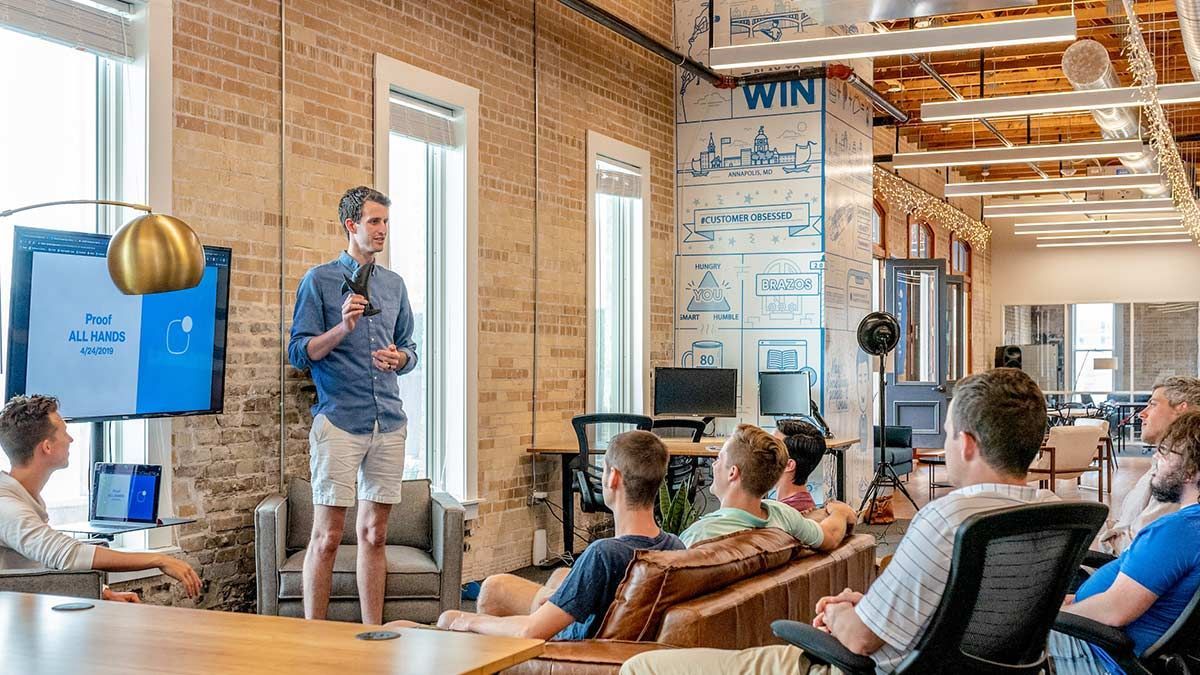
{"points": [[351, 392]]}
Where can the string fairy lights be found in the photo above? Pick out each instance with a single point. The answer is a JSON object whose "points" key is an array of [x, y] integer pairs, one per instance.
{"points": [[1145, 77], [898, 193]]}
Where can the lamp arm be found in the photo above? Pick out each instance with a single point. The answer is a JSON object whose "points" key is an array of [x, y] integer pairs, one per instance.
{"points": [[107, 202]]}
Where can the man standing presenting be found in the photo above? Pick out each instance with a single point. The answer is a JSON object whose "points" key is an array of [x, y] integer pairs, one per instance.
{"points": [[359, 426]]}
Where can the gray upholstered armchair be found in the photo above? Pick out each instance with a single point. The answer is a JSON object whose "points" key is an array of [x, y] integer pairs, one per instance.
{"points": [[70, 583], [424, 555]]}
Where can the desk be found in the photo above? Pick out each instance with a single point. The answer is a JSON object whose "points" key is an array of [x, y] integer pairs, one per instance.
{"points": [[116, 637], [707, 447]]}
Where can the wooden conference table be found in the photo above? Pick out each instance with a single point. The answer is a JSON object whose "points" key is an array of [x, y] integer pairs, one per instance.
{"points": [[115, 637], [707, 447]]}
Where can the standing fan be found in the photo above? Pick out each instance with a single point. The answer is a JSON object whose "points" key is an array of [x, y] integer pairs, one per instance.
{"points": [[878, 334]]}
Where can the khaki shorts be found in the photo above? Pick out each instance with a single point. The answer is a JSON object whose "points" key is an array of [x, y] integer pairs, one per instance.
{"points": [[338, 458]]}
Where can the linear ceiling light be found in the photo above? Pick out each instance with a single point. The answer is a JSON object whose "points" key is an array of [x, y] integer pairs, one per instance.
{"points": [[1047, 185], [1117, 243], [1159, 220], [1048, 152], [943, 39], [1077, 208], [1055, 102], [1114, 235], [1147, 228]]}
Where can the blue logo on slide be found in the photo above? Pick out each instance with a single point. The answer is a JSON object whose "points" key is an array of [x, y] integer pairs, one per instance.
{"points": [[177, 348]]}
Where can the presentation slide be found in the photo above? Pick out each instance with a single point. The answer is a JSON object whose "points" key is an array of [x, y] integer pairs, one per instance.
{"points": [[126, 495], [112, 495], [105, 354]]}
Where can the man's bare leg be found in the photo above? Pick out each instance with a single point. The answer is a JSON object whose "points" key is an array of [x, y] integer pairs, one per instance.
{"points": [[510, 595], [372, 559], [328, 522]]}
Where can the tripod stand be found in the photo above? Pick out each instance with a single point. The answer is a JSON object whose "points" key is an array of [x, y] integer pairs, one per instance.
{"points": [[885, 475]]}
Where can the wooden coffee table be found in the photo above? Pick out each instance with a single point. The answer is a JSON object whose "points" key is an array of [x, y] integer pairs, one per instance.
{"points": [[123, 638]]}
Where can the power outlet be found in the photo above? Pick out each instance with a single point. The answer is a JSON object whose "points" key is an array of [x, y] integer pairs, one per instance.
{"points": [[536, 498]]}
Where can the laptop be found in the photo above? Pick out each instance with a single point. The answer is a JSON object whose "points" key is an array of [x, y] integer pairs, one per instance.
{"points": [[124, 498]]}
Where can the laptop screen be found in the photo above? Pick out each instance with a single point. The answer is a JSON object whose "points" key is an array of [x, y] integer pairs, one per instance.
{"points": [[125, 493]]}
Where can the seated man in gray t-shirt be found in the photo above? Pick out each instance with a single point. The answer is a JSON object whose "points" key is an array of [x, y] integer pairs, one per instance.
{"points": [[634, 467], [993, 432]]}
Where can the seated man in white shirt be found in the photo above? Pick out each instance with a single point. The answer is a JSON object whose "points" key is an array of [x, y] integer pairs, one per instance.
{"points": [[994, 430], [35, 438], [1170, 398]]}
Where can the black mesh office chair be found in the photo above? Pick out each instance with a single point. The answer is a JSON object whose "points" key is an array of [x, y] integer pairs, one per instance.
{"points": [[1177, 652], [587, 476], [682, 469], [1008, 576], [892, 458]]}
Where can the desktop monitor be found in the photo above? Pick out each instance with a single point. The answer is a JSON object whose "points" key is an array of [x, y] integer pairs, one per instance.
{"points": [[701, 392], [784, 394]]}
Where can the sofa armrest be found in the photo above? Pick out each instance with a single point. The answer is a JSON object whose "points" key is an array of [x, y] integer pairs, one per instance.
{"points": [[583, 657], [270, 550], [447, 538], [70, 583]]}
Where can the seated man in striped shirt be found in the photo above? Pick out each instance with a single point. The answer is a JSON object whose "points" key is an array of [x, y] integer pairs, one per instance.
{"points": [[993, 432]]}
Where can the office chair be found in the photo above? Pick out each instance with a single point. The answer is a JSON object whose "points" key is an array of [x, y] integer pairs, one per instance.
{"points": [[682, 469], [891, 459], [1008, 576], [587, 476]]}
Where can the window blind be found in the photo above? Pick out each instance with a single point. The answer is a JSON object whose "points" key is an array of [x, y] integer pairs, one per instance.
{"points": [[618, 179], [420, 119], [101, 27]]}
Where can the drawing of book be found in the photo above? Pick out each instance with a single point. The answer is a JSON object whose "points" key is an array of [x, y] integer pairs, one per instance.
{"points": [[783, 360]]}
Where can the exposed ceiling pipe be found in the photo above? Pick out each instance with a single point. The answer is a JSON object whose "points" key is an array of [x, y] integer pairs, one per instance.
{"points": [[635, 35], [1188, 12], [1087, 66], [987, 124], [840, 72]]}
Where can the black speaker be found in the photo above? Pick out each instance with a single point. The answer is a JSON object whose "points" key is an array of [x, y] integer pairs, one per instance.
{"points": [[1008, 356]]}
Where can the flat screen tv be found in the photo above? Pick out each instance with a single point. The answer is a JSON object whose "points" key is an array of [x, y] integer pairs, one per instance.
{"points": [[106, 355]]}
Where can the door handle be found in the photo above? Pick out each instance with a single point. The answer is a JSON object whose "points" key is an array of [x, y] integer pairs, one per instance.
{"points": [[941, 389]]}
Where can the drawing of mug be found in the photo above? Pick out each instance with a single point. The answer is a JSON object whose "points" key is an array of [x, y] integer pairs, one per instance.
{"points": [[703, 354]]}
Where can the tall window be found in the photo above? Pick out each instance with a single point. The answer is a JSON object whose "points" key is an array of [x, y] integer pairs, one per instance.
{"points": [[1093, 327], [879, 254], [961, 264], [71, 128], [618, 245], [426, 135], [920, 240]]}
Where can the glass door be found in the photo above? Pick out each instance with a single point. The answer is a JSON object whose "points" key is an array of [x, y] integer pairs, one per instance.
{"points": [[918, 295]]}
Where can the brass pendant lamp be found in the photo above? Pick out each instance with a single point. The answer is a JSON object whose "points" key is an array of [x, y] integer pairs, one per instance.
{"points": [[154, 253]]}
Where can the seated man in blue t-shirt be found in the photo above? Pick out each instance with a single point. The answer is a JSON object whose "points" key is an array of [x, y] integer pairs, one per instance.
{"points": [[634, 466], [1146, 589]]}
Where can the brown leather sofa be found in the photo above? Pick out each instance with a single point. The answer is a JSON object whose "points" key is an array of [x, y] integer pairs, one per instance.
{"points": [[722, 593]]}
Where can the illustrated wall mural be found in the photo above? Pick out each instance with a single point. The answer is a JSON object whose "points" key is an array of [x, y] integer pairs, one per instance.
{"points": [[773, 245]]}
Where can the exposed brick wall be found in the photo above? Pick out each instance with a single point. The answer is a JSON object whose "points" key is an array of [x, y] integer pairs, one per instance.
{"points": [[896, 236], [1164, 343], [226, 184]]}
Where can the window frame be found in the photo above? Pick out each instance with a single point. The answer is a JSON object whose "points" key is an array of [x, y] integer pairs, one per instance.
{"points": [[925, 229], [460, 292], [964, 272], [137, 168], [879, 245], [599, 145]]}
